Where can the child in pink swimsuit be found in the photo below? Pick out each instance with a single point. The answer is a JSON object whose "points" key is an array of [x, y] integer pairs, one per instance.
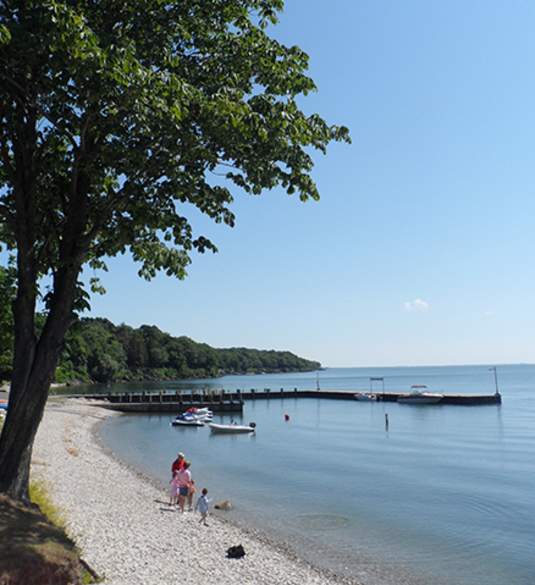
{"points": [[173, 490]]}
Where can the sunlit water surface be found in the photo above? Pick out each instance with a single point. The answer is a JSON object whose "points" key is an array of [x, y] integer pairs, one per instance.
{"points": [[446, 495]]}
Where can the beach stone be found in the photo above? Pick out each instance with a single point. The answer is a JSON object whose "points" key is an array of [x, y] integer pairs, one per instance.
{"points": [[110, 513]]}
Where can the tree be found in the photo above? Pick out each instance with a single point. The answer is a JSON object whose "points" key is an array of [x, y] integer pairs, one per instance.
{"points": [[115, 119], [7, 296]]}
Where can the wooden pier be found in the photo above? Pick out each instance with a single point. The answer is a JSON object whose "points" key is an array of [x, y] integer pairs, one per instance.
{"points": [[460, 399], [223, 401], [220, 402]]}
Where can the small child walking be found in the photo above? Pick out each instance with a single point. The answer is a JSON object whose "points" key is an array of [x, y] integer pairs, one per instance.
{"points": [[202, 506]]}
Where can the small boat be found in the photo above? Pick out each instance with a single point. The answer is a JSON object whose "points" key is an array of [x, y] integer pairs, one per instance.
{"points": [[419, 395], [203, 414], [232, 428], [187, 423], [199, 411], [193, 417], [365, 396]]}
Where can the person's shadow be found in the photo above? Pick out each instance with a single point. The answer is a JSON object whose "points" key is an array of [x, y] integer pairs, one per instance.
{"points": [[167, 508]]}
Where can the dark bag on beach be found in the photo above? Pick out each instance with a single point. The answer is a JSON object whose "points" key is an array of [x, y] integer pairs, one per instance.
{"points": [[235, 552]]}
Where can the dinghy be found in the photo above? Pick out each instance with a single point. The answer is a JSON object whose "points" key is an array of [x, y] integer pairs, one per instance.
{"points": [[232, 428]]}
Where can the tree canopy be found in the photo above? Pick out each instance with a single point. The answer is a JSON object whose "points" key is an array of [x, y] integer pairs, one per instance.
{"points": [[118, 115], [116, 119]]}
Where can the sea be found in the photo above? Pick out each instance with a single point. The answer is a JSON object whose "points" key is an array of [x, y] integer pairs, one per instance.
{"points": [[444, 495]]}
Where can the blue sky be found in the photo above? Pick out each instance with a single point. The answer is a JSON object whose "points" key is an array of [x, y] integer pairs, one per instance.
{"points": [[421, 249]]}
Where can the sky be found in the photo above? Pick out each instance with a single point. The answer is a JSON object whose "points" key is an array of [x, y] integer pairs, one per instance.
{"points": [[420, 251]]}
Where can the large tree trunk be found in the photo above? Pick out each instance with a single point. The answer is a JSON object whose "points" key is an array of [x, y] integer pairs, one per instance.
{"points": [[34, 361], [26, 405], [34, 370]]}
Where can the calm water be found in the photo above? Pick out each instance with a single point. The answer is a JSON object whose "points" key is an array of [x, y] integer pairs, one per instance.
{"points": [[446, 495]]}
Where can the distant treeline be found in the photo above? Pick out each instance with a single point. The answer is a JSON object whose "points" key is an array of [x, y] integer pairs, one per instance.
{"points": [[96, 350]]}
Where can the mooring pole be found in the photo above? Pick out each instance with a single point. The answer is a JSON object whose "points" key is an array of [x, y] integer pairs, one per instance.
{"points": [[493, 369]]}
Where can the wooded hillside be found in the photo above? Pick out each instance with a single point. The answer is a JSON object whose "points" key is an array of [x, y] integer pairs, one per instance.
{"points": [[96, 350]]}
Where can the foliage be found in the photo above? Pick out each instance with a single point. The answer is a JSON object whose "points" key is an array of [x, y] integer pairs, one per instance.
{"points": [[98, 351], [126, 113], [117, 121]]}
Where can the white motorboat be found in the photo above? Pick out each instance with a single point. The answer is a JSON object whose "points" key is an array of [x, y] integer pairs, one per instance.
{"points": [[199, 413], [365, 396], [232, 428], [419, 395], [193, 417]]}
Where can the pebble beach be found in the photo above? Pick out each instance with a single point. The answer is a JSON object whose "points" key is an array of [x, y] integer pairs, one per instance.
{"points": [[124, 527]]}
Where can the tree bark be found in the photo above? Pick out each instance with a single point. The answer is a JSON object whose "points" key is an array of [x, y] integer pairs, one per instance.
{"points": [[31, 382], [18, 435], [35, 360]]}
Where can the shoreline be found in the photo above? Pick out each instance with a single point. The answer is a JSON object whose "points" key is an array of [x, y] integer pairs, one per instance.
{"points": [[126, 532]]}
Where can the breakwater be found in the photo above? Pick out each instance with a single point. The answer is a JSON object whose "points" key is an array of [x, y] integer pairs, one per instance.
{"points": [[222, 401]]}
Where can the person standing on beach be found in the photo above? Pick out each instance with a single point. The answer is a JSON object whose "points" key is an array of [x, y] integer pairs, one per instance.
{"points": [[183, 479], [173, 491], [202, 506], [192, 490], [178, 464]]}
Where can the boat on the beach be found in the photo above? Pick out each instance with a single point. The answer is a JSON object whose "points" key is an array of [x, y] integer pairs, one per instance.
{"points": [[419, 395], [232, 428], [365, 396]]}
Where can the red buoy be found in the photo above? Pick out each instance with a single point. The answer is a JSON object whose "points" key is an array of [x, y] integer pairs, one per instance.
{"points": [[286, 417]]}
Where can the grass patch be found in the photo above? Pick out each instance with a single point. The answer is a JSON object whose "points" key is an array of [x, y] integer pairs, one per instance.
{"points": [[39, 496], [35, 551], [35, 548]]}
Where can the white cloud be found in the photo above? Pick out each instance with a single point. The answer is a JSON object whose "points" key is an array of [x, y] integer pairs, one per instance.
{"points": [[416, 306]]}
